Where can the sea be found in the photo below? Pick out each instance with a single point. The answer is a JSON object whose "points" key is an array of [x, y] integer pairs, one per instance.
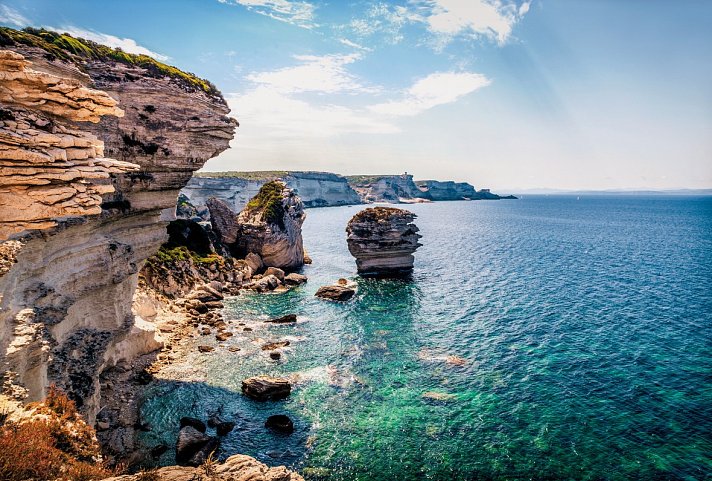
{"points": [[545, 338]]}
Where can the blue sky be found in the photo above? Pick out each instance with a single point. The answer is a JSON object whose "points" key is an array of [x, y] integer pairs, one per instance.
{"points": [[507, 94]]}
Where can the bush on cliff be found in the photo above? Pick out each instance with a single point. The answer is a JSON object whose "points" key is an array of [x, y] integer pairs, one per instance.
{"points": [[53, 443]]}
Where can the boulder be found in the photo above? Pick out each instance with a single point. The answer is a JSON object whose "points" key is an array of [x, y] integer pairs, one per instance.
{"points": [[264, 388], [383, 240], [254, 262], [223, 221], [280, 423], [275, 355], [289, 318], [336, 292], [294, 279], [275, 271], [203, 348], [221, 427], [223, 336], [190, 441], [264, 284]]}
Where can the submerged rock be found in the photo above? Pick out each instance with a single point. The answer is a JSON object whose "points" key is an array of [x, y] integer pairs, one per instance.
{"points": [[280, 423], [284, 319], [264, 388], [383, 240], [271, 346], [196, 424]]}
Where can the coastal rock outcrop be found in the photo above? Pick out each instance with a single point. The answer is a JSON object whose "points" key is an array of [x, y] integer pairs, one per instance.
{"points": [[65, 300], [237, 467], [271, 226], [387, 188], [343, 290], [383, 240]]}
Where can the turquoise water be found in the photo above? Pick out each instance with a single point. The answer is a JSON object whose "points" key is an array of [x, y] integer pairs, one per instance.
{"points": [[558, 339]]}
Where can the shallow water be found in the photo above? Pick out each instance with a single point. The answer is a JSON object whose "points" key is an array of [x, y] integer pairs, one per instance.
{"points": [[556, 339]]}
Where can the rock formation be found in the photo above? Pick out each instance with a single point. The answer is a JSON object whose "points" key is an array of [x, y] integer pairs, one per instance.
{"points": [[271, 226], [66, 290], [343, 290], [264, 388], [383, 240]]}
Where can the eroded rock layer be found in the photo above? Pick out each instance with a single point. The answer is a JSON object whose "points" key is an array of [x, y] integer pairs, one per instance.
{"points": [[383, 240], [48, 168], [66, 290]]}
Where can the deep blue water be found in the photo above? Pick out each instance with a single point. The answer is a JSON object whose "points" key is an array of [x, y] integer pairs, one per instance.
{"points": [[564, 339]]}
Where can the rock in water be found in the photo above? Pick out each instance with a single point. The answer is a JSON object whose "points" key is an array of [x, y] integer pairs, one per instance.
{"points": [[336, 293], [383, 240], [190, 442], [271, 226], [263, 388], [280, 423]]}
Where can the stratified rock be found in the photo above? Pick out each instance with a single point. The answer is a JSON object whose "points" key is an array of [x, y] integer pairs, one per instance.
{"points": [[295, 279], [66, 314], [271, 226], [264, 388], [383, 240], [280, 423], [223, 221], [286, 319]]}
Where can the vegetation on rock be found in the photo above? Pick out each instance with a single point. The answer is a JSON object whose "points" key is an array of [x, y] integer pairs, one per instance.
{"points": [[54, 443], [69, 48]]}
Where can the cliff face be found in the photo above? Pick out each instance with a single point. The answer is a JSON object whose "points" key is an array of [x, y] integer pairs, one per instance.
{"points": [[66, 290], [386, 188], [316, 189], [447, 190]]}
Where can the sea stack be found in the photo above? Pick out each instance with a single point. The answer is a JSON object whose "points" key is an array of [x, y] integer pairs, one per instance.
{"points": [[383, 240], [271, 226]]}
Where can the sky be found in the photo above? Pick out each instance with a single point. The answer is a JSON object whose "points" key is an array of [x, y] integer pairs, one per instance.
{"points": [[504, 94]]}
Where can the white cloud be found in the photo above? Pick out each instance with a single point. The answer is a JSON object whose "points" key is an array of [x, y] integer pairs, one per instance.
{"points": [[435, 89], [126, 44], [267, 114], [383, 19], [489, 18], [325, 74], [295, 12], [349, 43], [10, 16]]}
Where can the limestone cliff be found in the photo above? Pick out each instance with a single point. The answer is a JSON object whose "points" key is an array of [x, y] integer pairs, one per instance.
{"points": [[69, 271], [447, 190], [316, 189], [387, 188], [383, 240]]}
